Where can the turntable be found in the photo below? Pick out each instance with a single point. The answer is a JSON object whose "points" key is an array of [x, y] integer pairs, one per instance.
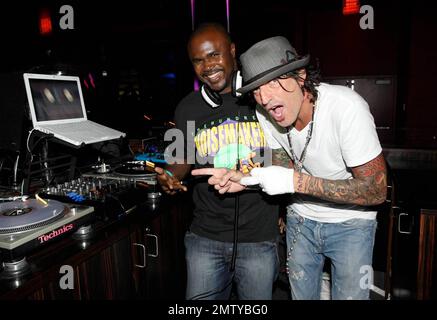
{"points": [[129, 171], [135, 169], [27, 224]]}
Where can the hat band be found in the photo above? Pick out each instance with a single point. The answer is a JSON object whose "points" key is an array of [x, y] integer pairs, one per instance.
{"points": [[262, 74]]}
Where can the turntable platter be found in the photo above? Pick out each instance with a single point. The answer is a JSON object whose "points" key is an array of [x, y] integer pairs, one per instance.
{"points": [[135, 170], [19, 216]]}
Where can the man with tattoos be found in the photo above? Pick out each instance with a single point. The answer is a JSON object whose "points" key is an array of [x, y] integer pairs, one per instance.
{"points": [[327, 154]]}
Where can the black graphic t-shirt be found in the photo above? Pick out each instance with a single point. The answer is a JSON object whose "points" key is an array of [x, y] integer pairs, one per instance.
{"points": [[220, 136]]}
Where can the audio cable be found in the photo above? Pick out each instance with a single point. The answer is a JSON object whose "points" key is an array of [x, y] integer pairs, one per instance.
{"points": [[237, 201]]}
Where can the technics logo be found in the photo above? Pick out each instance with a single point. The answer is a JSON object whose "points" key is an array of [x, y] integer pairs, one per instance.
{"points": [[55, 233]]}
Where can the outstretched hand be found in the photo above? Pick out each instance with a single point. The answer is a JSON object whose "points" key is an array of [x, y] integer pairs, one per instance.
{"points": [[223, 180], [273, 180], [169, 184]]}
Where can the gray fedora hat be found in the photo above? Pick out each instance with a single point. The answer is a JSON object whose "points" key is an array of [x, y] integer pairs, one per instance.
{"points": [[267, 60]]}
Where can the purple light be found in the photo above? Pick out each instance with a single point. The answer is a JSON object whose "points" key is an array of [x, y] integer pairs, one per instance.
{"points": [[91, 80], [227, 15], [192, 14], [196, 83]]}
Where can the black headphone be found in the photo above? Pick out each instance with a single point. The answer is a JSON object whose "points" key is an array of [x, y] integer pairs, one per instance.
{"points": [[213, 98]]}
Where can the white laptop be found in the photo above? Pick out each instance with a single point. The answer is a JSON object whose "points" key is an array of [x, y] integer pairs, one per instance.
{"points": [[57, 107]]}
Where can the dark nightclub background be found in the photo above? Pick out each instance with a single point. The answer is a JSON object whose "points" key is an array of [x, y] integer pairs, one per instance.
{"points": [[134, 53], [132, 61]]}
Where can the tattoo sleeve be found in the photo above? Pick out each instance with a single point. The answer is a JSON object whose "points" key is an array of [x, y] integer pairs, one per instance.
{"points": [[368, 186], [281, 158]]}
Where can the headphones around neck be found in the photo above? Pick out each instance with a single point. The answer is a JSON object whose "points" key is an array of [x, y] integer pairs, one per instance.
{"points": [[213, 98]]}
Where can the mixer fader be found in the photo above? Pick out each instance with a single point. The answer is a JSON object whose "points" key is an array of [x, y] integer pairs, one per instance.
{"points": [[90, 188], [111, 193]]}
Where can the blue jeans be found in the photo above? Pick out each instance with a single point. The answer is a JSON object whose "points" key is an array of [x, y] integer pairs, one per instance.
{"points": [[209, 261], [349, 245]]}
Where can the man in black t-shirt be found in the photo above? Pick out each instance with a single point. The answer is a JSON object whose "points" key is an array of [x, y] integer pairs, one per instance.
{"points": [[229, 136]]}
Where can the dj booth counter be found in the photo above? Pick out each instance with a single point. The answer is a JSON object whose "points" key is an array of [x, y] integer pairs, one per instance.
{"points": [[139, 256]]}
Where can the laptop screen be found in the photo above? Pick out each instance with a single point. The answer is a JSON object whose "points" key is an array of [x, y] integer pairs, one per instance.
{"points": [[54, 98]]}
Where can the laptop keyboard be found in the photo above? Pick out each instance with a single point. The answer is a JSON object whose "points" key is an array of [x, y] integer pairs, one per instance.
{"points": [[84, 131]]}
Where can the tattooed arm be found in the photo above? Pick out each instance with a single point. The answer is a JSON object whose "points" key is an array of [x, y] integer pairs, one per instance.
{"points": [[281, 158], [368, 186]]}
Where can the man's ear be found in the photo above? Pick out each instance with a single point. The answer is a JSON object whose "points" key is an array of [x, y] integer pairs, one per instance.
{"points": [[302, 75], [233, 50]]}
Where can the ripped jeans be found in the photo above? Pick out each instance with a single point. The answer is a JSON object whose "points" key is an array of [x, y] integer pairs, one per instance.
{"points": [[348, 244]]}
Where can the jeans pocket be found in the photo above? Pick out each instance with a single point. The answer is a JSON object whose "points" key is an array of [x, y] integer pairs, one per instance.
{"points": [[189, 238], [362, 226], [358, 223], [272, 246], [293, 217]]}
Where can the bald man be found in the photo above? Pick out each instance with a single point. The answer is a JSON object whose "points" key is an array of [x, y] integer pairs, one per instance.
{"points": [[226, 134]]}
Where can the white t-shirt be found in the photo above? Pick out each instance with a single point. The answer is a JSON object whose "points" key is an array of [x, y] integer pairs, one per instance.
{"points": [[344, 136]]}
